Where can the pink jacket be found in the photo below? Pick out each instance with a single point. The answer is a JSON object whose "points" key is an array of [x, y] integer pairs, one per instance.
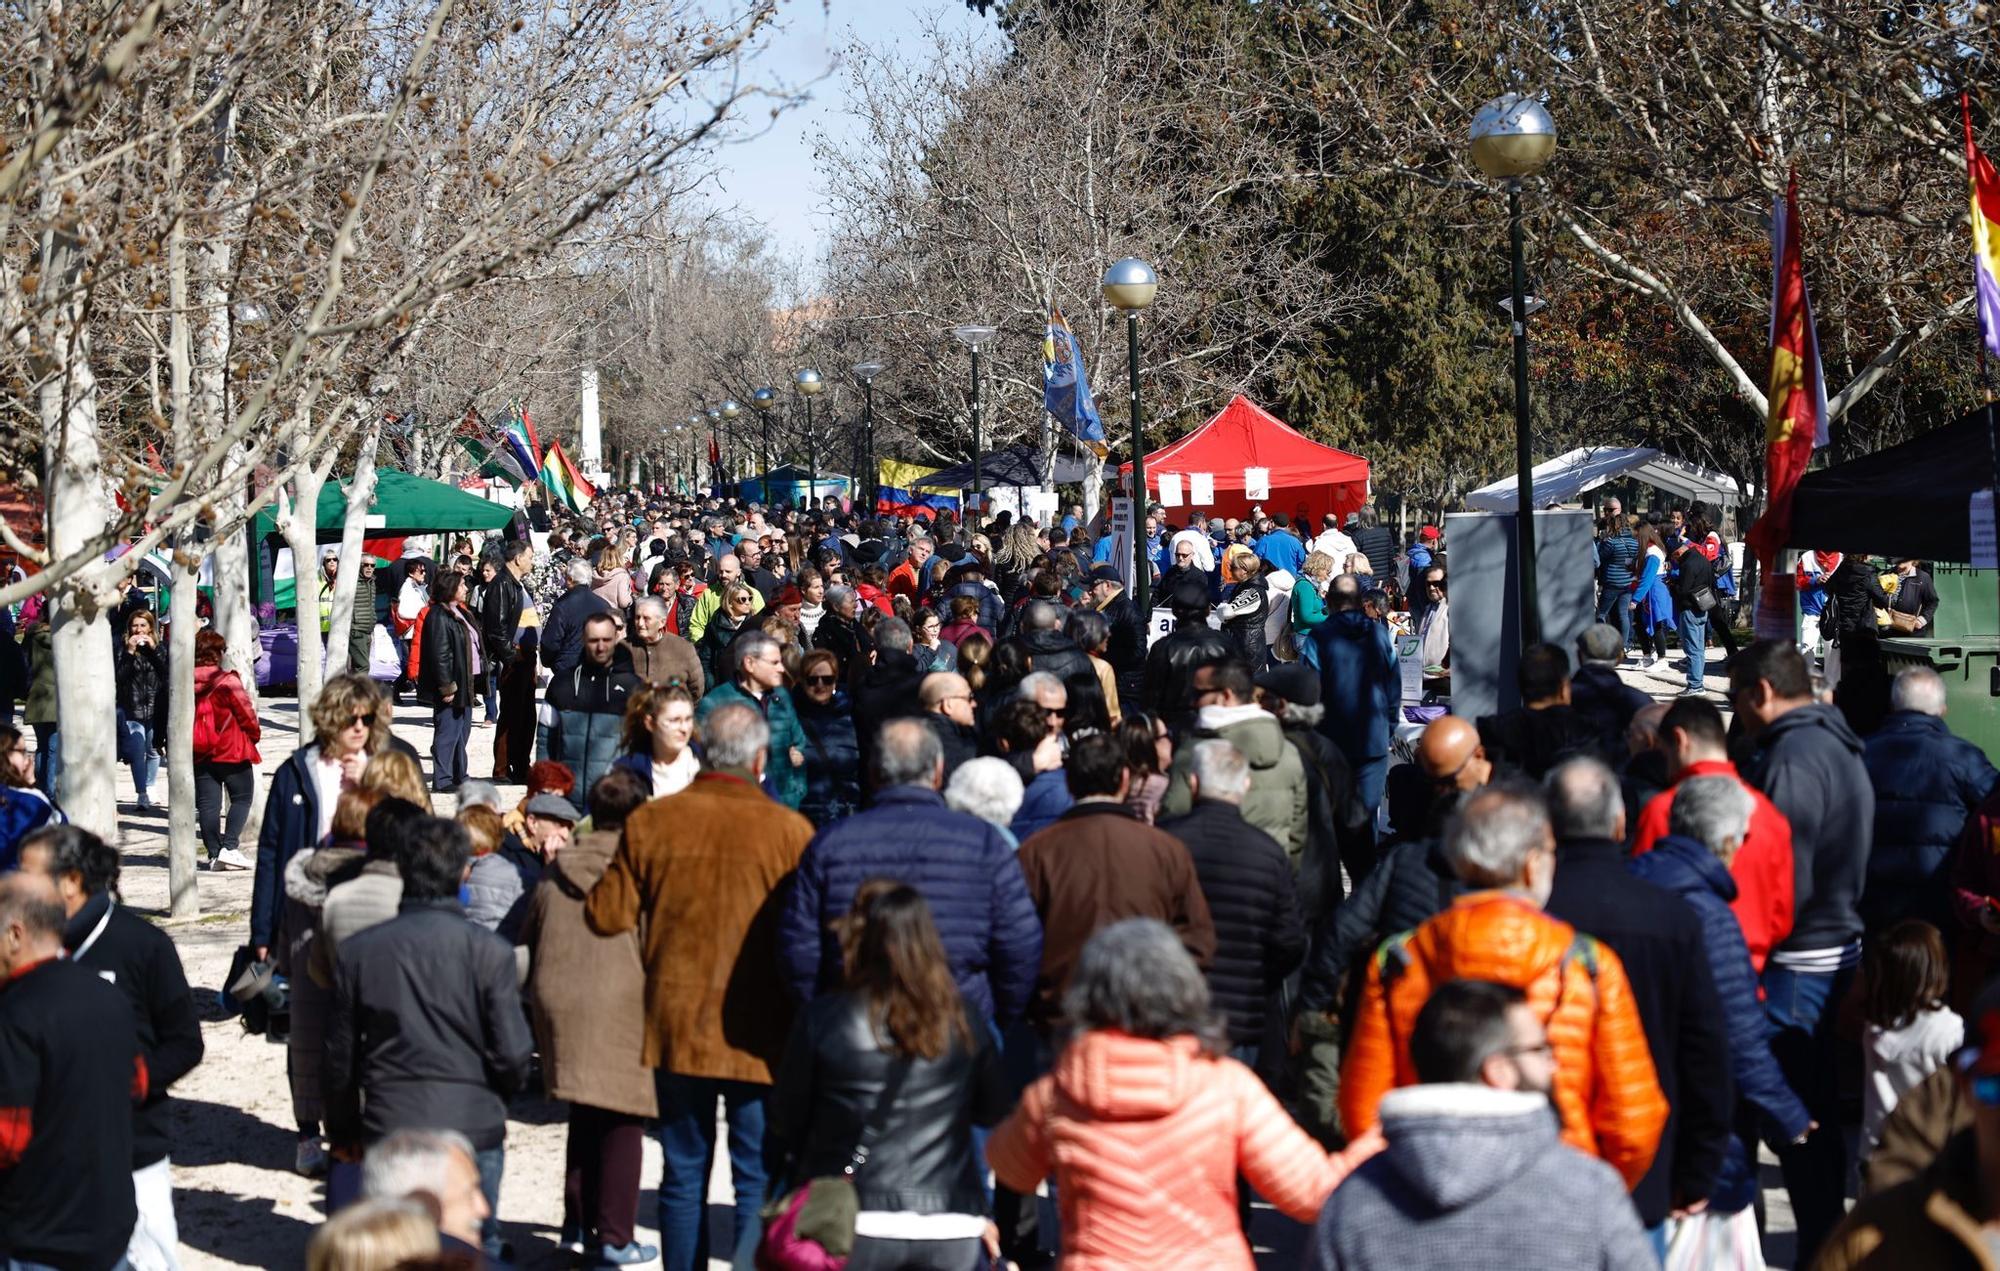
{"points": [[1146, 1139]]}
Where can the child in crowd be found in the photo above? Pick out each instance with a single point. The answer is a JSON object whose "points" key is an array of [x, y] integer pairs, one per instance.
{"points": [[1910, 1030]]}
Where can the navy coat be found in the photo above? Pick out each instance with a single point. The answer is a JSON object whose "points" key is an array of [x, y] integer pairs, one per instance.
{"points": [[833, 759], [1359, 684], [1926, 783], [1692, 872], [965, 869]]}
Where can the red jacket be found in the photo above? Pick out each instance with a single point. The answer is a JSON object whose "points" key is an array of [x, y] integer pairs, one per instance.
{"points": [[872, 595], [1975, 873], [219, 695], [1762, 868]]}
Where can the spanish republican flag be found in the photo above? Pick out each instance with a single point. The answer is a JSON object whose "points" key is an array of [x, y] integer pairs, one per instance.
{"points": [[1796, 423], [1985, 183]]}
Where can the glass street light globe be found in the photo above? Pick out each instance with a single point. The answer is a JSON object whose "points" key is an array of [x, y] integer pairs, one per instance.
{"points": [[975, 336], [1130, 284], [866, 371], [1512, 136], [730, 409], [764, 398], [808, 382]]}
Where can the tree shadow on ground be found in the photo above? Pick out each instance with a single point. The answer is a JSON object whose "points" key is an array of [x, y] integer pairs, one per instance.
{"points": [[247, 1230], [217, 1134]]}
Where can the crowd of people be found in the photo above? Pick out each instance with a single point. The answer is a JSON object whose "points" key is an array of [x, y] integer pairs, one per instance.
{"points": [[898, 861]]}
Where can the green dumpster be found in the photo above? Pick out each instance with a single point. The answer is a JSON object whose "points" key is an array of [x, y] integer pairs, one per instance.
{"points": [[1964, 651]]}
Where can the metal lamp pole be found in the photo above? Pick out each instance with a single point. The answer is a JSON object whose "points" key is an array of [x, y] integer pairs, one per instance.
{"points": [[866, 372], [810, 385], [974, 336], [1130, 286]]}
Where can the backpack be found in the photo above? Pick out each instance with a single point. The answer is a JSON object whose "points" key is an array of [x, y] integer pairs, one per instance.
{"points": [[416, 639]]}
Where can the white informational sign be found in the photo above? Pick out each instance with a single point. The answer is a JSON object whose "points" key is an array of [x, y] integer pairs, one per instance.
{"points": [[1985, 550], [1201, 488], [1044, 502], [1123, 531], [1256, 484], [1004, 498], [1157, 629], [1170, 489], [1410, 661]]}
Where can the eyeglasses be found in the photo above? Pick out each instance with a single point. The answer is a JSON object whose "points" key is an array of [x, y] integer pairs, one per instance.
{"points": [[366, 720], [1056, 711], [821, 679]]}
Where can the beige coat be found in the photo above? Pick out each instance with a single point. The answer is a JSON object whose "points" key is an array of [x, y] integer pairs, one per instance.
{"points": [[586, 992]]}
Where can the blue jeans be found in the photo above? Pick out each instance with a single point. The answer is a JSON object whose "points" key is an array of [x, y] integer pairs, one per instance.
{"points": [[687, 1141], [135, 747], [1615, 607], [1694, 642], [1370, 776], [490, 684], [451, 728], [1801, 1006], [492, 1162], [48, 758]]}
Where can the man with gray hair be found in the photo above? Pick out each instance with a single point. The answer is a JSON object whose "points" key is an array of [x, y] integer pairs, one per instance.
{"points": [[1606, 1092], [1252, 894], [760, 685], [1596, 693], [1661, 946], [562, 633], [704, 869], [435, 1167], [1711, 820], [1040, 635], [660, 657], [964, 867], [1927, 782]]}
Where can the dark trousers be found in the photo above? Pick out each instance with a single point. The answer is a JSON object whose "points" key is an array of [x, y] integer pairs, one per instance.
{"points": [[514, 734], [871, 1254], [211, 782], [451, 728], [47, 759], [1801, 1007], [601, 1174]]}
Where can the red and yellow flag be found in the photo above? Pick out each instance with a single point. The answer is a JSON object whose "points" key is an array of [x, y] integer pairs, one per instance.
{"points": [[1795, 422]]}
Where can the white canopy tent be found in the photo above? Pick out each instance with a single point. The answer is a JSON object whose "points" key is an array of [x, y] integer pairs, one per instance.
{"points": [[1567, 477]]}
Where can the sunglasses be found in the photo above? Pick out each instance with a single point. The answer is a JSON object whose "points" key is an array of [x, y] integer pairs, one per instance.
{"points": [[821, 679], [365, 720]]}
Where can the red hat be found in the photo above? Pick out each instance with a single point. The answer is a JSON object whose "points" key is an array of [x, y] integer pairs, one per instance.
{"points": [[1429, 533], [788, 595]]}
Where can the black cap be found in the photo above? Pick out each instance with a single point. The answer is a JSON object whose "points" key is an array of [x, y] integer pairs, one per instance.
{"points": [[1105, 574], [1296, 684]]}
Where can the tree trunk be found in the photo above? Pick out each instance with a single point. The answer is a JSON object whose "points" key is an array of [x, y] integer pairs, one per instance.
{"points": [[234, 618], [183, 891], [79, 509], [301, 530], [360, 492]]}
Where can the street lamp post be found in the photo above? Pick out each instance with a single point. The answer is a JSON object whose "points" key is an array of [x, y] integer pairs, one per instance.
{"points": [[1130, 285], [693, 424], [1512, 137], [974, 336], [810, 385], [866, 373], [765, 400]]}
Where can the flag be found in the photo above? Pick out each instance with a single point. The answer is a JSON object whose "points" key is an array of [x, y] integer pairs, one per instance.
{"points": [[896, 493], [715, 460], [517, 435], [1065, 386], [494, 458], [1795, 424], [564, 481], [1985, 185]]}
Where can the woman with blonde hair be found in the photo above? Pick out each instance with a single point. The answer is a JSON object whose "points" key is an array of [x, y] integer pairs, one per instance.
{"points": [[374, 1235], [1309, 604], [395, 775], [739, 601]]}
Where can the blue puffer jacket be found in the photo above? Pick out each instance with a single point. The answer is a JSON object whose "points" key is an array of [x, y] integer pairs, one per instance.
{"points": [[1926, 783], [833, 760], [1045, 798], [1359, 684], [966, 871], [1692, 872]]}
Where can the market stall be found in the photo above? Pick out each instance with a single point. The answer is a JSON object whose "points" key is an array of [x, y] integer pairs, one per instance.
{"points": [[1247, 456]]}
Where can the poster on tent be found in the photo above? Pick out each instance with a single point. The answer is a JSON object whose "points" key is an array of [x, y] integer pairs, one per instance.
{"points": [[1201, 489], [1003, 498], [1123, 532]]}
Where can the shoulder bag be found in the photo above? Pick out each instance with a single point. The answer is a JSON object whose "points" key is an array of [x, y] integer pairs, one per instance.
{"points": [[811, 1228]]}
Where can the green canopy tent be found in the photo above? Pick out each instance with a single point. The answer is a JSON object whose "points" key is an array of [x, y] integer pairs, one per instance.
{"points": [[403, 505]]}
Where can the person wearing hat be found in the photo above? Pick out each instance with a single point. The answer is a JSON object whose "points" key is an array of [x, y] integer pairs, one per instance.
{"points": [[1127, 650], [1428, 545]]}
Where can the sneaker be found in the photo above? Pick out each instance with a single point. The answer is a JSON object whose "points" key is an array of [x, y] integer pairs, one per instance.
{"points": [[310, 1159], [632, 1255], [1692, 691], [229, 859], [571, 1242]]}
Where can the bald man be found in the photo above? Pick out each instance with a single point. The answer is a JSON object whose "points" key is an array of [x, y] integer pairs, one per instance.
{"points": [[949, 708], [1414, 880]]}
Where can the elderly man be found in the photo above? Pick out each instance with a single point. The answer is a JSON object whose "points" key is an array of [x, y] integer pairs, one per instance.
{"points": [[71, 1068], [589, 701], [1252, 896], [760, 685], [1607, 1094], [659, 657], [1049, 649], [1660, 945], [750, 552], [951, 709], [1226, 701], [562, 635], [705, 869], [963, 866], [438, 1168], [889, 688], [1595, 691], [1927, 782], [1127, 650], [840, 632], [1482, 1060]]}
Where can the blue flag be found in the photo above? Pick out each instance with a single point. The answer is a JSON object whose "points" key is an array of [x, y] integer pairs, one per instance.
{"points": [[1065, 387]]}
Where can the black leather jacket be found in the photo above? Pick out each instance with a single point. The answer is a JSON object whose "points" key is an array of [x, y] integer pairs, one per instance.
{"points": [[923, 1161], [1170, 667]]}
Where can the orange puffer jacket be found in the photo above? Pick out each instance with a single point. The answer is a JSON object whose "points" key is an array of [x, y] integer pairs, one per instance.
{"points": [[1146, 1139], [1605, 1088]]}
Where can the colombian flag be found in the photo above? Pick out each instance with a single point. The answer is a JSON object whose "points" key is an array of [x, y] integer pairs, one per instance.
{"points": [[1985, 183], [564, 481], [896, 493], [1796, 421]]}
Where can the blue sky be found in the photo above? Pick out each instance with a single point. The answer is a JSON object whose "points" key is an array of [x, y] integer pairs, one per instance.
{"points": [[768, 175]]}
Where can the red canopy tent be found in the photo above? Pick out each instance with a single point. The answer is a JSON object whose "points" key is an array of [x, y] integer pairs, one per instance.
{"points": [[1307, 479]]}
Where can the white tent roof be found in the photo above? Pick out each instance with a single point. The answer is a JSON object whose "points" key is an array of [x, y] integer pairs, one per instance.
{"points": [[1567, 477]]}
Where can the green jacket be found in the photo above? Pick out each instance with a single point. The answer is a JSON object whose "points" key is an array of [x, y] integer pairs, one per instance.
{"points": [[41, 704], [785, 780], [1277, 801]]}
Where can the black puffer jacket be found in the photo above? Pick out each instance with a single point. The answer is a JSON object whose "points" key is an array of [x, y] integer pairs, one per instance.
{"points": [[1054, 652], [1411, 884], [142, 685], [1856, 594], [1247, 881], [427, 1020], [923, 1160], [1170, 667]]}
